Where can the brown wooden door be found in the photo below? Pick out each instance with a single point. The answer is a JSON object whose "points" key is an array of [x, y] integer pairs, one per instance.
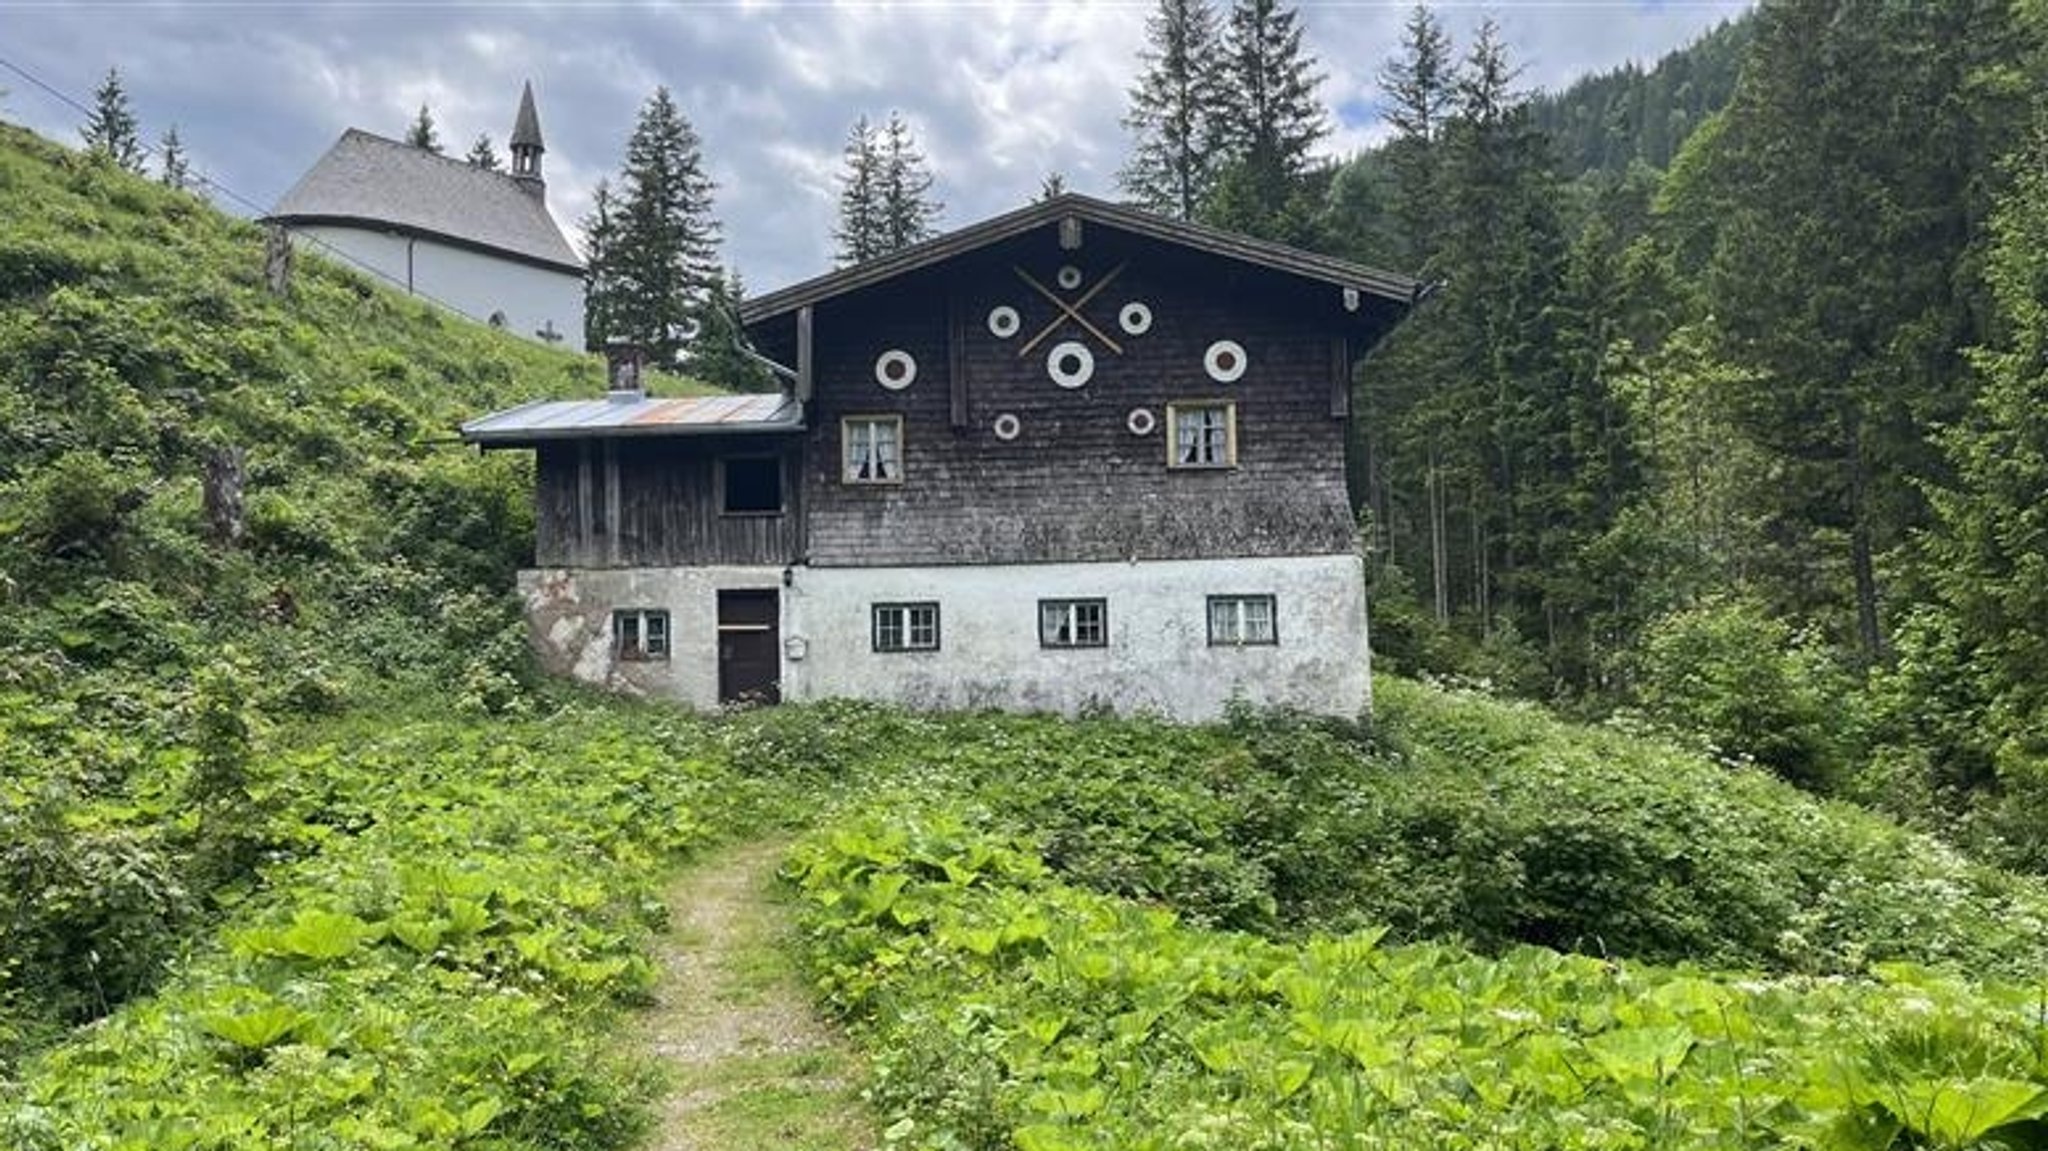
{"points": [[749, 647]]}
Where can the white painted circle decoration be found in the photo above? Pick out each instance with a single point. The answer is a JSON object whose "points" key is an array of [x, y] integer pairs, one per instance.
{"points": [[1070, 364], [1141, 421], [1225, 361], [1135, 319], [1070, 277], [1007, 426], [1003, 322], [895, 369]]}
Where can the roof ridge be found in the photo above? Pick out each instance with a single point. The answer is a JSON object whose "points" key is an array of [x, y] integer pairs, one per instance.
{"points": [[995, 229], [428, 153]]}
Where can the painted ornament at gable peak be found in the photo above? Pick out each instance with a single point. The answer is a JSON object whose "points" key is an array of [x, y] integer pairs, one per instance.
{"points": [[1071, 363], [895, 369]]}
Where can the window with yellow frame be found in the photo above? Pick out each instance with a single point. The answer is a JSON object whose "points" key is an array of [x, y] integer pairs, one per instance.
{"points": [[1201, 434]]}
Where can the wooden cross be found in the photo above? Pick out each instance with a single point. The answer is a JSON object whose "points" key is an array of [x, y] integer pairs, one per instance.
{"points": [[1069, 311]]}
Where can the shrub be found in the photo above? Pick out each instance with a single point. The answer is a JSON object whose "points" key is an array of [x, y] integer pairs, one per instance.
{"points": [[1730, 674]]}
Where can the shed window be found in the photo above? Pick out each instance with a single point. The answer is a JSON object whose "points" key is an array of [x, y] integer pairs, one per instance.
{"points": [[640, 634], [1073, 623], [753, 485], [906, 627], [1202, 434], [872, 447], [1238, 620]]}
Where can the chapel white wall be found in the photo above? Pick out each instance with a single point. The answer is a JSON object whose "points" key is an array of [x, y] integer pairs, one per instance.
{"points": [[473, 283]]}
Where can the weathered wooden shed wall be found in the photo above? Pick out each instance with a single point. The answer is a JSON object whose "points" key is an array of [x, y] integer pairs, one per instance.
{"points": [[656, 502], [1076, 484]]}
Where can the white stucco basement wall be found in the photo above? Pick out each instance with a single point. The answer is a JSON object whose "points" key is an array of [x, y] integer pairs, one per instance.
{"points": [[471, 282], [569, 618], [1158, 658]]}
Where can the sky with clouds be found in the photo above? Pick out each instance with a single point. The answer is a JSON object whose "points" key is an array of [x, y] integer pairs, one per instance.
{"points": [[1000, 94]]}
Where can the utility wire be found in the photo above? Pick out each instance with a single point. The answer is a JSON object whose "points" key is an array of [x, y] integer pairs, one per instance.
{"points": [[206, 181]]}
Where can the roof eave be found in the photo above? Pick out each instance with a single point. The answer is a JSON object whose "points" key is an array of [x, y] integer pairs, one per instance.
{"points": [[313, 219], [1395, 288], [527, 437]]}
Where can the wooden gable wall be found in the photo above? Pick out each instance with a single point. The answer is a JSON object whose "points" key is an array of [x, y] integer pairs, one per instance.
{"points": [[1076, 484]]}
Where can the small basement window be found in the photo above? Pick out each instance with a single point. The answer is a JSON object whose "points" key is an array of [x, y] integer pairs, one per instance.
{"points": [[871, 448], [906, 627], [640, 634], [752, 486], [1201, 434], [1073, 623], [1242, 620]]}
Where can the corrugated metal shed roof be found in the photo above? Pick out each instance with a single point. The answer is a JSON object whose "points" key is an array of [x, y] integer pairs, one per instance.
{"points": [[368, 180], [633, 414]]}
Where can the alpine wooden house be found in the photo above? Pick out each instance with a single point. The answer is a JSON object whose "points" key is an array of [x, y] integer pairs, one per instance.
{"points": [[1073, 456]]}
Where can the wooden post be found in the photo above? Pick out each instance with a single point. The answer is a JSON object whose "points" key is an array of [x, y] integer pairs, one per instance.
{"points": [[956, 359], [804, 355], [221, 496], [1340, 378], [277, 261]]}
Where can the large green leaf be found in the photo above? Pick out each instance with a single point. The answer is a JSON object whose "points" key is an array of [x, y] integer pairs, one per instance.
{"points": [[256, 1028], [1959, 1112]]}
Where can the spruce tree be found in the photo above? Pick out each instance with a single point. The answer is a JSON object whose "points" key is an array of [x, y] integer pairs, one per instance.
{"points": [[1856, 168], [600, 282], [1177, 111], [720, 354], [110, 130], [908, 210], [173, 170], [859, 234], [422, 134], [1419, 86], [663, 255], [1271, 83], [483, 155]]}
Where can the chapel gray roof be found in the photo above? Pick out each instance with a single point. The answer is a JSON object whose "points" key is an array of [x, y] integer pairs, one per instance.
{"points": [[526, 129], [368, 180]]}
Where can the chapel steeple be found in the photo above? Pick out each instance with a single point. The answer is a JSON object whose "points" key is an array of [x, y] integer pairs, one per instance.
{"points": [[526, 145]]}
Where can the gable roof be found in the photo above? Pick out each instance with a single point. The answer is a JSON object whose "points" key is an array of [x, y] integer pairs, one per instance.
{"points": [[370, 181], [1259, 253]]}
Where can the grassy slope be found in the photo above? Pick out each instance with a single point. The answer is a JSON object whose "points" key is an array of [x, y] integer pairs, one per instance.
{"points": [[136, 338]]}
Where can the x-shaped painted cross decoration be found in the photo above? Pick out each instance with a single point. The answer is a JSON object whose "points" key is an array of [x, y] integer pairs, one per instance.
{"points": [[1069, 311]]}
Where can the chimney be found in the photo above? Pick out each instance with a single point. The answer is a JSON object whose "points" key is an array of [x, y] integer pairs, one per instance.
{"points": [[625, 361]]}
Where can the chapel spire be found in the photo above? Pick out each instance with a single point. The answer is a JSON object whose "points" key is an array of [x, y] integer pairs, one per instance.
{"points": [[526, 145]]}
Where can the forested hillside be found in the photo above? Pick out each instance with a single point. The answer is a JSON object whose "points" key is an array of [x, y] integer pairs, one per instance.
{"points": [[1607, 122], [1748, 442]]}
